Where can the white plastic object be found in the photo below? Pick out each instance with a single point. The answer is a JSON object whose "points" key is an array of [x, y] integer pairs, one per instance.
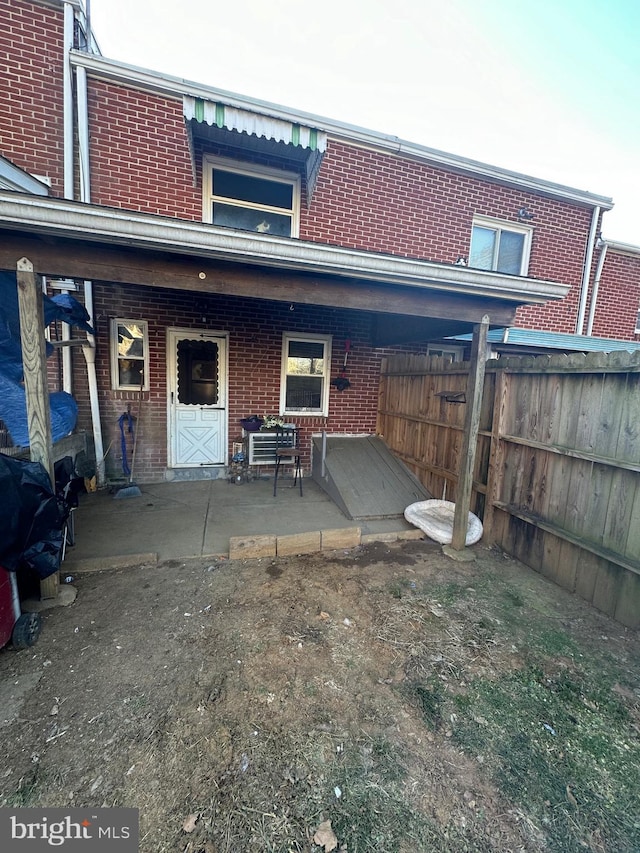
{"points": [[435, 518]]}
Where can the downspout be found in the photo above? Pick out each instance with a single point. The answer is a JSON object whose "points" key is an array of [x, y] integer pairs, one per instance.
{"points": [[89, 349], [603, 245], [586, 273], [67, 173], [67, 86]]}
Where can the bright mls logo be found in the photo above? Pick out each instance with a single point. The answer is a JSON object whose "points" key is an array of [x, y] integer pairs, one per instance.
{"points": [[37, 830]]}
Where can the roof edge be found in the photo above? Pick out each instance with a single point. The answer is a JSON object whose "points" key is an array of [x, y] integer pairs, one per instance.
{"points": [[623, 248], [155, 81], [88, 222]]}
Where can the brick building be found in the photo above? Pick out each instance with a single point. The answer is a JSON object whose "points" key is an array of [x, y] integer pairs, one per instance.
{"points": [[242, 254]]}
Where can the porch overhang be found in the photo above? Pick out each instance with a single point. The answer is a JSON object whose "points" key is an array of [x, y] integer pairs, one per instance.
{"points": [[14, 178], [66, 238]]}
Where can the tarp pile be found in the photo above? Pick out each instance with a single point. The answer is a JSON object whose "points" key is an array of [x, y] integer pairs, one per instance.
{"points": [[13, 407]]}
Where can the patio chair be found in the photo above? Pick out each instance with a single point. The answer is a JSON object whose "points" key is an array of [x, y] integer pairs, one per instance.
{"points": [[288, 453]]}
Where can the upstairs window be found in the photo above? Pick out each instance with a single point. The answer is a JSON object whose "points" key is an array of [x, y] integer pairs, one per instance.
{"points": [[500, 246], [249, 198], [305, 375]]}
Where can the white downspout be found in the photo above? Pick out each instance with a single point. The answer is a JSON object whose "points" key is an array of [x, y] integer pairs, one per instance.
{"points": [[67, 87], [89, 349], [596, 285], [586, 273], [67, 173]]}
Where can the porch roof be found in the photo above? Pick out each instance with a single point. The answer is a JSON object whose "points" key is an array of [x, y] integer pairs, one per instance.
{"points": [[111, 244]]}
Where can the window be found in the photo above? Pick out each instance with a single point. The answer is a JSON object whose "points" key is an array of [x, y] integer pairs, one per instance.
{"points": [[500, 246], [452, 353], [250, 198], [638, 324], [129, 355], [305, 375]]}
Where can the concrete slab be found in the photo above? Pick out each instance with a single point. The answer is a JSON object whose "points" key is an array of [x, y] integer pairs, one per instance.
{"points": [[183, 520]]}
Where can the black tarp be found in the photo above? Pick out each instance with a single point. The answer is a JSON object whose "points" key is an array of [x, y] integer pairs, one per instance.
{"points": [[31, 518]]}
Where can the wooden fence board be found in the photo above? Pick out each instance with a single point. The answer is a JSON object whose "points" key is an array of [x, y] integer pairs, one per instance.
{"points": [[606, 588], [619, 509], [628, 605], [628, 446], [557, 473]]}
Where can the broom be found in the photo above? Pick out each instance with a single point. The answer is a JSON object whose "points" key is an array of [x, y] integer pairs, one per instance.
{"points": [[131, 490]]}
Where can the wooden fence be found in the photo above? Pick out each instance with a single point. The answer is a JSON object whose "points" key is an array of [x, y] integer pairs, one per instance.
{"points": [[557, 470]]}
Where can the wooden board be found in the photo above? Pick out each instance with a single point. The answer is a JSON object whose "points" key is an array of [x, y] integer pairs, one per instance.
{"points": [[366, 480]]}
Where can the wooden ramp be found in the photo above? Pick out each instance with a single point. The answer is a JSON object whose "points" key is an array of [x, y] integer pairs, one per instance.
{"points": [[364, 478]]}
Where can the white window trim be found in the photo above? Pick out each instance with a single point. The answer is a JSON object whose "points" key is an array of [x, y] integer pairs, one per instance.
{"points": [[255, 171], [455, 352], [312, 413], [507, 225], [113, 347]]}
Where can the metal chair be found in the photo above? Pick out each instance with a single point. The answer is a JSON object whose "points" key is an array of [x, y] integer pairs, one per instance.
{"points": [[288, 453]]}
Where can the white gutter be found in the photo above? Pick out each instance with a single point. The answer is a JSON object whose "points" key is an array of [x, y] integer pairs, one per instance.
{"points": [[596, 286], [622, 248], [586, 272], [148, 231], [153, 81]]}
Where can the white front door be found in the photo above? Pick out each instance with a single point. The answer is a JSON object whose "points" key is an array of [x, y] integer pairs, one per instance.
{"points": [[197, 382]]}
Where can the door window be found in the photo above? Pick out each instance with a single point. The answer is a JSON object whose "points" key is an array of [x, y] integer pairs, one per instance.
{"points": [[198, 373]]}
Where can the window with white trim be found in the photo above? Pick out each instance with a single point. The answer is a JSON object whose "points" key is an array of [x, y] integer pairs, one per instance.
{"points": [[129, 355], [452, 353], [304, 386], [500, 246], [250, 198]]}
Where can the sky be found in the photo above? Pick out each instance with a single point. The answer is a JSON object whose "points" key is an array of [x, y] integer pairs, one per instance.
{"points": [[548, 88]]}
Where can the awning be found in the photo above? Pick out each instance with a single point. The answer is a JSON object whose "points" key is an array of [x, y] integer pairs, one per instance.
{"points": [[298, 144]]}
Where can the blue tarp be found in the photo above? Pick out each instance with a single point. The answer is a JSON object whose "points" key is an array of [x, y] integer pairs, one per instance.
{"points": [[13, 408]]}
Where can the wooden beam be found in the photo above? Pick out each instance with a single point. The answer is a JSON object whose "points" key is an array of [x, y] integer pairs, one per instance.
{"points": [[99, 262], [475, 386], [34, 361]]}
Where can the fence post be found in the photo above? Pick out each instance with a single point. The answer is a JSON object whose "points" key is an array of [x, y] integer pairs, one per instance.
{"points": [[475, 387]]}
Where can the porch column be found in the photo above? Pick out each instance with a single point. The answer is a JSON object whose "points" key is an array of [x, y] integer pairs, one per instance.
{"points": [[34, 361], [475, 386]]}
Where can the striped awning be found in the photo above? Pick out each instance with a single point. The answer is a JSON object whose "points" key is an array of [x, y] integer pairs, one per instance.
{"points": [[254, 124], [248, 132]]}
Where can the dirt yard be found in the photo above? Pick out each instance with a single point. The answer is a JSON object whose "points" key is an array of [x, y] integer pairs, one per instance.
{"points": [[381, 699]]}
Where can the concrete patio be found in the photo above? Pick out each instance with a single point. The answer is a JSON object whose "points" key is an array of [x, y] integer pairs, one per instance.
{"points": [[182, 520]]}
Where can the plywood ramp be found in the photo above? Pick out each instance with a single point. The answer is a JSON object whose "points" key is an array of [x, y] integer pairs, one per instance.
{"points": [[364, 478]]}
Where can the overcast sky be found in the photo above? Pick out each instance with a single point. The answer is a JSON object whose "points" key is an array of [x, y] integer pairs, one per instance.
{"points": [[550, 88]]}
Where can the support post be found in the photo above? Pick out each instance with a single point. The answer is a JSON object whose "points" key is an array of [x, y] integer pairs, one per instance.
{"points": [[475, 386], [34, 361]]}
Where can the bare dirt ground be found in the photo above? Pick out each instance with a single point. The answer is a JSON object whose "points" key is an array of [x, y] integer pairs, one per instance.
{"points": [[380, 699]]}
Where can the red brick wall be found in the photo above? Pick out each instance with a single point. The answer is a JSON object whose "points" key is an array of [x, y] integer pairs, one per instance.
{"points": [[255, 343], [139, 156], [618, 297], [363, 199], [31, 132]]}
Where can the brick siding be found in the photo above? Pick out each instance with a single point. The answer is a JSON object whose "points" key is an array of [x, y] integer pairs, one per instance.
{"points": [[31, 94], [255, 330]]}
